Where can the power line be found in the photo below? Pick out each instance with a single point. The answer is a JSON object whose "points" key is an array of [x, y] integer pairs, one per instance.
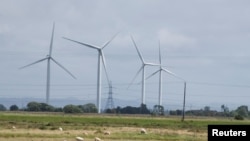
{"points": [[219, 84]]}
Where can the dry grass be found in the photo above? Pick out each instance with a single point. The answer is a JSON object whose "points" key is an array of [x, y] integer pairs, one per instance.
{"points": [[45, 127], [117, 134]]}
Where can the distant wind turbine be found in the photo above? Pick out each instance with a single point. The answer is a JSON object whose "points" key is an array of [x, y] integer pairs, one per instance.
{"points": [[99, 69], [48, 58], [160, 76], [144, 64]]}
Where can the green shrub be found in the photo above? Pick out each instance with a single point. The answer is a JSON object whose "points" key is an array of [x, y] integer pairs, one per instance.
{"points": [[239, 117], [71, 109]]}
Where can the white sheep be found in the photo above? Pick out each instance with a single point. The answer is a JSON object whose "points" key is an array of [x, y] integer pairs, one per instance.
{"points": [[97, 139], [106, 133], [79, 138], [143, 131], [60, 128], [85, 133]]}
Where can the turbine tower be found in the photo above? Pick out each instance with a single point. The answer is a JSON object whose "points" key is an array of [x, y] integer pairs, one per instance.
{"points": [[49, 58], [99, 68], [144, 64], [160, 77]]}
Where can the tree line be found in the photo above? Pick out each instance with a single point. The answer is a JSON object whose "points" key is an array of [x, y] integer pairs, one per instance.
{"points": [[240, 113], [43, 107]]}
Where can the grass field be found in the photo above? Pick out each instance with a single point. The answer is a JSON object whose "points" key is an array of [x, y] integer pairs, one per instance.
{"points": [[45, 127]]}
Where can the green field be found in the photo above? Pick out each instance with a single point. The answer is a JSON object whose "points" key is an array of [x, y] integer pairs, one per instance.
{"points": [[45, 127]]}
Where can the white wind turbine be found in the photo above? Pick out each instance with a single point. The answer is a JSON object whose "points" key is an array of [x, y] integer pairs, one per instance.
{"points": [[99, 69], [160, 77], [48, 58], [144, 64]]}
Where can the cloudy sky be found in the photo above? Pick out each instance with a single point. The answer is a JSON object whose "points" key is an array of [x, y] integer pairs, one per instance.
{"points": [[205, 42]]}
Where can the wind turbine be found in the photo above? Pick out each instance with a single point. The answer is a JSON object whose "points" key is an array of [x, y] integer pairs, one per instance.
{"points": [[160, 83], [160, 76], [49, 58], [99, 68], [144, 64]]}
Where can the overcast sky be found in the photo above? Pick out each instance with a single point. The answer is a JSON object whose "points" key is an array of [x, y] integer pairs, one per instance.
{"points": [[205, 42]]}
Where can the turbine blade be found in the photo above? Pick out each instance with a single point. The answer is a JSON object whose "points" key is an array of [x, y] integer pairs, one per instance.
{"points": [[169, 72], [159, 52], [51, 41], [104, 65], [63, 68], [109, 40], [152, 64], [153, 74], [34, 63], [173, 74], [137, 49], [88, 45], [135, 76]]}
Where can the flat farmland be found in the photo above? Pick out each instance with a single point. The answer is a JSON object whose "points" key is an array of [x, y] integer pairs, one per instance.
{"points": [[25, 126]]}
